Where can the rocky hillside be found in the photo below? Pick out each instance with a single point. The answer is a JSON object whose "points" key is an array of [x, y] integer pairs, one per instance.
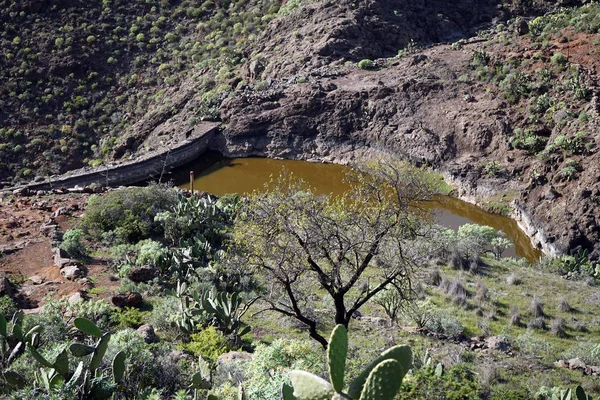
{"points": [[494, 94]]}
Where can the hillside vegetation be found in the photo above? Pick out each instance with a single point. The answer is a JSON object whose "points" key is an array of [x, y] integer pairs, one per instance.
{"points": [[153, 293]]}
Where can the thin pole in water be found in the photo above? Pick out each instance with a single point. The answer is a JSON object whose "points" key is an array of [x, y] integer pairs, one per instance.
{"points": [[192, 182]]}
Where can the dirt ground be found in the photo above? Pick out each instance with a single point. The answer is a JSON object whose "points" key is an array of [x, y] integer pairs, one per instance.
{"points": [[26, 256]]}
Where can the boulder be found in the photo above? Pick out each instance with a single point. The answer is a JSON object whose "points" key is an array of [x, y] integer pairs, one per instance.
{"points": [[497, 343], [142, 273], [122, 300], [6, 288], [36, 279], [230, 367], [71, 272], [147, 332], [76, 298], [577, 363]]}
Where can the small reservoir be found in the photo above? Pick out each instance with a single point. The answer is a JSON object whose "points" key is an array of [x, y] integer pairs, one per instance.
{"points": [[218, 175]]}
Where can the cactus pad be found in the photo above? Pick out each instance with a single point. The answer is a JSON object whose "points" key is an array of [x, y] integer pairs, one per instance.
{"points": [[383, 382], [310, 387], [336, 356], [402, 354]]}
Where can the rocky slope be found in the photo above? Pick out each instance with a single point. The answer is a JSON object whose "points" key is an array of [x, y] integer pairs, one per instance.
{"points": [[502, 115]]}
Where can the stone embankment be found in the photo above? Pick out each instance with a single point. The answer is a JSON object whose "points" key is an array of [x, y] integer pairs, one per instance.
{"points": [[149, 166]]}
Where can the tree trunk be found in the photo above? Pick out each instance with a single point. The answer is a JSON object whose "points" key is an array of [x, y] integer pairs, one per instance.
{"points": [[340, 310]]}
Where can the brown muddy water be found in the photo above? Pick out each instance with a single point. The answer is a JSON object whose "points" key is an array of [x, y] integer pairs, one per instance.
{"points": [[218, 175]]}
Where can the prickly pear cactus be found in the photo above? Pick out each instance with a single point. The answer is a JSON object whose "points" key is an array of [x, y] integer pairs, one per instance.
{"points": [[310, 387], [402, 354], [383, 382], [336, 356]]}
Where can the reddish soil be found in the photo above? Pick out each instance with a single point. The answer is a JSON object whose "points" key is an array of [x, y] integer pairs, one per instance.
{"points": [[25, 252]]}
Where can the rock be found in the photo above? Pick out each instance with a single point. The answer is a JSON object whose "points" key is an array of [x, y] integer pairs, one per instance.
{"points": [[60, 211], [233, 356], [36, 279], [576, 363], [71, 272], [497, 343], [22, 192], [142, 273], [147, 332], [521, 26], [122, 300], [561, 364], [76, 298], [230, 367], [48, 229], [61, 262], [6, 288]]}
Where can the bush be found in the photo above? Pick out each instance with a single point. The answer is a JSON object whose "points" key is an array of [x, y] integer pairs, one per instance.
{"points": [[458, 382], [557, 327], [529, 344], [269, 366], [365, 64], [536, 308], [588, 352], [7, 306], [209, 344], [143, 361], [99, 312], [72, 243], [130, 317], [164, 310], [559, 60], [151, 253], [127, 215]]}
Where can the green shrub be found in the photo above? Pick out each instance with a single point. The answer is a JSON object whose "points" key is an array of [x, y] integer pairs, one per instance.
{"points": [[151, 253], [130, 317], [209, 344], [7, 306], [559, 60], [146, 366], [528, 140], [164, 312], [99, 311], [71, 243], [458, 382], [270, 365], [127, 215], [365, 64]]}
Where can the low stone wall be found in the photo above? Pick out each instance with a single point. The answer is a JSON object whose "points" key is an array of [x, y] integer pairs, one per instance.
{"points": [[148, 167]]}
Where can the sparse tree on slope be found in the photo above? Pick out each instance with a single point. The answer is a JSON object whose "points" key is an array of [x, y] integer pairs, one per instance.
{"points": [[346, 248]]}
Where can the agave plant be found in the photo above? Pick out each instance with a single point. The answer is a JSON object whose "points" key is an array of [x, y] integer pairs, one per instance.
{"points": [[380, 380], [12, 344], [223, 310]]}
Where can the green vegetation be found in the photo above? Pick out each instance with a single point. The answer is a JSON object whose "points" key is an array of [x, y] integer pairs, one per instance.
{"points": [[71, 243], [78, 75], [218, 290], [365, 64]]}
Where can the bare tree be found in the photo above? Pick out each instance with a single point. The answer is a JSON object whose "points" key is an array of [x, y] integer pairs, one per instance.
{"points": [[346, 247]]}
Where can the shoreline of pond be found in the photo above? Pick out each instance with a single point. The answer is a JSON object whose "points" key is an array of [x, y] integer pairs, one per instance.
{"points": [[217, 174]]}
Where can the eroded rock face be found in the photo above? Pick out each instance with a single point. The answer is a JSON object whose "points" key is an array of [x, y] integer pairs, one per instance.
{"points": [[6, 288]]}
